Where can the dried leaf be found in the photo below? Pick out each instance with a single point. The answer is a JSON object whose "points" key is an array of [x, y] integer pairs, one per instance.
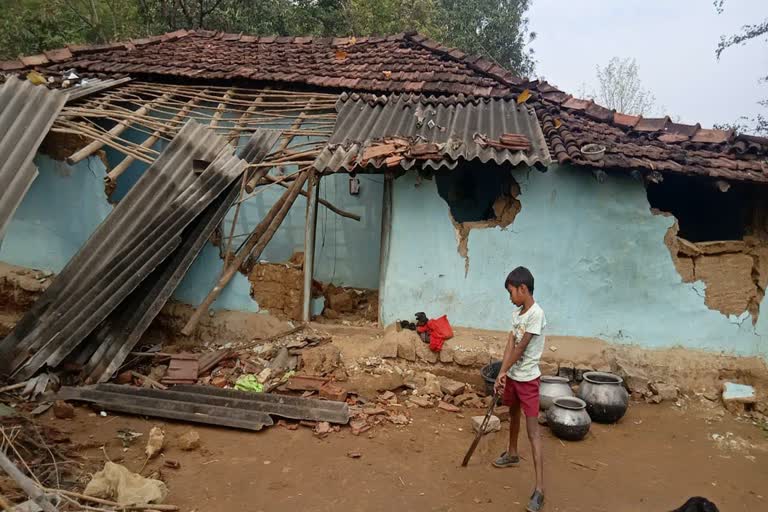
{"points": [[523, 96], [387, 74], [352, 40], [558, 123], [36, 78], [341, 54]]}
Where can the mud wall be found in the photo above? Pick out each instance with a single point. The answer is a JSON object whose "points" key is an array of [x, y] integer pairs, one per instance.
{"points": [[598, 254]]}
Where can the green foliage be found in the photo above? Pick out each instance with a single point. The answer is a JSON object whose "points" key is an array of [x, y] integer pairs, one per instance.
{"points": [[497, 29]]}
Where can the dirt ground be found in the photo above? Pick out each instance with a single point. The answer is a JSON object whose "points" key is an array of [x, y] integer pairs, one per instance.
{"points": [[653, 460]]}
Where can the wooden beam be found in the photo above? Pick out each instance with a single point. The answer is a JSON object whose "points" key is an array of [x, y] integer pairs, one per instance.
{"points": [[221, 108], [386, 236], [26, 484], [234, 134], [310, 227], [115, 131], [330, 206], [253, 247], [149, 142]]}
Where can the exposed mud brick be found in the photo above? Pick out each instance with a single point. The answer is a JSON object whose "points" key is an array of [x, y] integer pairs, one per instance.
{"points": [[446, 354], [445, 406], [721, 246], [548, 367], [431, 385], [451, 387], [333, 392], [423, 353], [465, 358], [321, 360], [761, 267], [387, 347], [728, 277], [666, 392], [464, 398], [63, 410], [685, 269], [278, 288], [494, 424], [189, 440]]}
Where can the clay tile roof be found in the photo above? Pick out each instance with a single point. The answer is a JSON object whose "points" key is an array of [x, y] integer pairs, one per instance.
{"points": [[413, 63]]}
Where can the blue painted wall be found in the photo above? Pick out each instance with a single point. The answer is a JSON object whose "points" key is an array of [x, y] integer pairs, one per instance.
{"points": [[60, 211], [596, 251]]}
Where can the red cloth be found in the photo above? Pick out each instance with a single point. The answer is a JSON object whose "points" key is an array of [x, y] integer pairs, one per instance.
{"points": [[439, 330], [522, 394]]}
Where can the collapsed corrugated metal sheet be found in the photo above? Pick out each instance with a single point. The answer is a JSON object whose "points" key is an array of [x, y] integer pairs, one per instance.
{"points": [[136, 237], [109, 345], [94, 86], [458, 130], [26, 114], [209, 405]]}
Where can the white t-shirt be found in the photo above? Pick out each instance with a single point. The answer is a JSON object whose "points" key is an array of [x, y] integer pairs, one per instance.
{"points": [[533, 321]]}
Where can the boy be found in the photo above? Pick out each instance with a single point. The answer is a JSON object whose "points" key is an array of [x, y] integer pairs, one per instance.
{"points": [[518, 380]]}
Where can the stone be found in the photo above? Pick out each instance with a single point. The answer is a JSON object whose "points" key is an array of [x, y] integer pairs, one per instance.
{"points": [[406, 348], [464, 398], [399, 419], [333, 392], [664, 391], [475, 403], [387, 396], [189, 441], [451, 387], [155, 442], [321, 360], [431, 385], [635, 379], [264, 376], [387, 348], [331, 314], [323, 428], [464, 358], [446, 354], [738, 398], [494, 424], [423, 353], [420, 401], [373, 410], [447, 407], [63, 410], [654, 399]]}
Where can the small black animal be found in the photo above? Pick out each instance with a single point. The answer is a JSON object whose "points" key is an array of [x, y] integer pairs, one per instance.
{"points": [[697, 504]]}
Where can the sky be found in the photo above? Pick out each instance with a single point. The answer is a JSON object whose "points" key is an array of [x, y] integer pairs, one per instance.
{"points": [[673, 42]]}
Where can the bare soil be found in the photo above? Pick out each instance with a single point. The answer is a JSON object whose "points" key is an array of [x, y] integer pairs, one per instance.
{"points": [[653, 460]]}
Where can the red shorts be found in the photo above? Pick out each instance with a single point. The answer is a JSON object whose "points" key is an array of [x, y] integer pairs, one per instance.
{"points": [[524, 394]]}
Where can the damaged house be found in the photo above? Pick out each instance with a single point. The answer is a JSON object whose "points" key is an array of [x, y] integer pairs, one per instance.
{"points": [[370, 177]]}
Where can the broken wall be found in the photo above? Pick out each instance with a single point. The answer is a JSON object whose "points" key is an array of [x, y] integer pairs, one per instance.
{"points": [[596, 250]]}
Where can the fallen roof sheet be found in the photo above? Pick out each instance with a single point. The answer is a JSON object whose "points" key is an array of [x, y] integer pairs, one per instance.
{"points": [[209, 405], [26, 114], [109, 345], [446, 133], [94, 86], [136, 237]]}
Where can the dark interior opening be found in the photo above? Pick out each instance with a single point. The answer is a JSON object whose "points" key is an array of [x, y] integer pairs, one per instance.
{"points": [[705, 213], [472, 188]]}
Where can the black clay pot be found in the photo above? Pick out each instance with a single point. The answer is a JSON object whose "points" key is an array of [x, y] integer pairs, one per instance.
{"points": [[568, 419], [607, 399]]}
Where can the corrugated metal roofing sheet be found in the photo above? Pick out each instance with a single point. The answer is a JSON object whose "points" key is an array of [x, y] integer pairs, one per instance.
{"points": [[457, 129], [108, 346], [135, 238], [26, 114]]}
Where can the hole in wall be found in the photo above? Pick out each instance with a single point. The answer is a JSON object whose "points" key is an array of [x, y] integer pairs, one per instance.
{"points": [[720, 238], [478, 196]]}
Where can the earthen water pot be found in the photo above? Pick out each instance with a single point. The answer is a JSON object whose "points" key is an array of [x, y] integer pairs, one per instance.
{"points": [[552, 387], [568, 419], [607, 399]]}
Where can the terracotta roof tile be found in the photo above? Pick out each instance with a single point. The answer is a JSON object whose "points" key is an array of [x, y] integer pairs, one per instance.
{"points": [[712, 136], [577, 104], [34, 60], [625, 120], [647, 124]]}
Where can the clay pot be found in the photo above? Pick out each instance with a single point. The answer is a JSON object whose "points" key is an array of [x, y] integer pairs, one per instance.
{"points": [[568, 418], [552, 387], [607, 399]]}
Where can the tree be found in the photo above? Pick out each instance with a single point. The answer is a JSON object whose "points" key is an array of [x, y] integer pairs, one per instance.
{"points": [[621, 89], [759, 123]]}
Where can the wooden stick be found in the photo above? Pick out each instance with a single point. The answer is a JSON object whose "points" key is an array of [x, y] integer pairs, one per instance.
{"points": [[234, 134], [283, 143], [220, 109], [26, 484], [148, 380], [115, 131], [100, 501], [12, 387], [254, 245], [148, 143], [313, 191], [330, 206]]}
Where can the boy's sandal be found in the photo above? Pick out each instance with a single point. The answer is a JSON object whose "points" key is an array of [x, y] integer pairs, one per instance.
{"points": [[506, 460], [537, 502]]}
